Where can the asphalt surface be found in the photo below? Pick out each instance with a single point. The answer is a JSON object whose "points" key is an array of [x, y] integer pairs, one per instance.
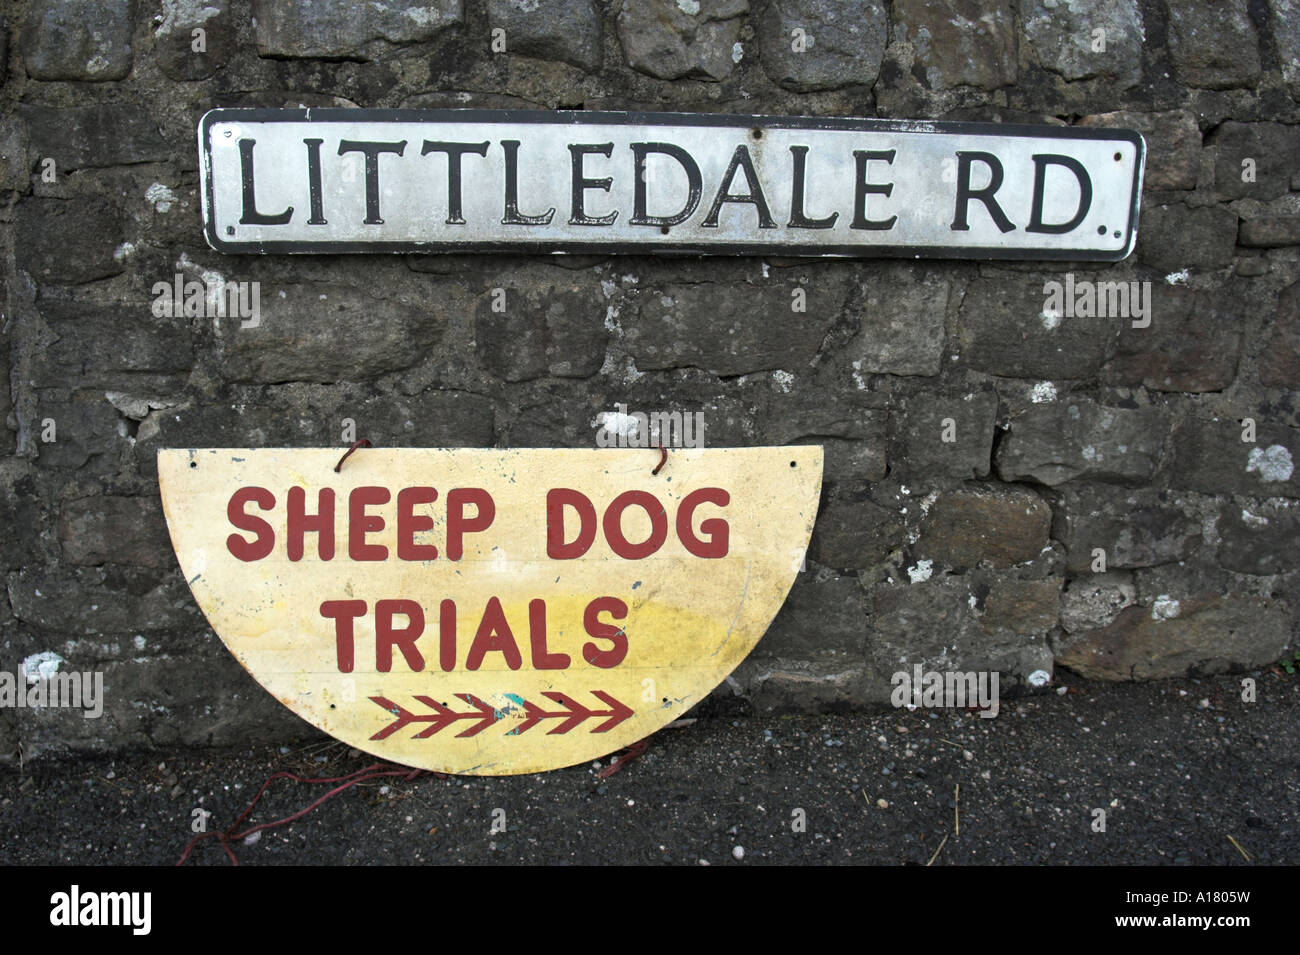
{"points": [[1181, 769]]}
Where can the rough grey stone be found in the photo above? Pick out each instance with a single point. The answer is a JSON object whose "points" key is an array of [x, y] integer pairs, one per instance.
{"points": [[68, 240], [900, 310], [1060, 441], [548, 327], [326, 332], [1094, 601], [1021, 608], [117, 347], [959, 42], [20, 507], [670, 39], [938, 624], [1272, 149], [1193, 343], [728, 330], [341, 28], [853, 532], [1188, 637], [175, 40], [1214, 45], [1261, 537], [312, 416], [1284, 22], [1061, 36], [819, 619], [14, 170], [81, 137], [86, 601], [1279, 363], [85, 428], [191, 699], [106, 529], [785, 686], [564, 30], [1210, 456], [1137, 528], [855, 439], [1006, 328], [1003, 526], [923, 455], [1174, 237], [78, 39], [1270, 232], [842, 43], [1173, 144]]}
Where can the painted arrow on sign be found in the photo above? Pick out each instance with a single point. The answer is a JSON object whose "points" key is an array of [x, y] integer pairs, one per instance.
{"points": [[440, 719], [572, 712]]}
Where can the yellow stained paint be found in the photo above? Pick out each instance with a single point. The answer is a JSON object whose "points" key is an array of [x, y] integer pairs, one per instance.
{"points": [[690, 619]]}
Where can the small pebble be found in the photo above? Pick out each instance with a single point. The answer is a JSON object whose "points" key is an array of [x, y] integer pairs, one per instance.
{"points": [[253, 838], [738, 853], [882, 803]]}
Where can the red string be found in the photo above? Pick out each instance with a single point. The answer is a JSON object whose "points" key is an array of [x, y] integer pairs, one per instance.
{"points": [[360, 443], [374, 771], [633, 751], [662, 460]]}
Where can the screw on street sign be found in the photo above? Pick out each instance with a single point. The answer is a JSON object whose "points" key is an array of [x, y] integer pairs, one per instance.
{"points": [[485, 611], [363, 180]]}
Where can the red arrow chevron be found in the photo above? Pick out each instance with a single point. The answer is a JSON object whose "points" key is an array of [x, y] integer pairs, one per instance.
{"points": [[573, 713], [440, 719]]}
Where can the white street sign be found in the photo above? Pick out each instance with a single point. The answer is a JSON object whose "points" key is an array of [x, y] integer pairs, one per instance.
{"points": [[339, 180]]}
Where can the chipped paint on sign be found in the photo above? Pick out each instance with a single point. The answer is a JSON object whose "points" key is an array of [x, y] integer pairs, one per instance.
{"points": [[484, 611]]}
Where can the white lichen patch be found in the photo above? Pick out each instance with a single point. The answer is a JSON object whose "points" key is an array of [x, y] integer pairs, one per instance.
{"points": [[1253, 520], [161, 197], [178, 13], [1271, 464], [42, 666], [921, 571], [1051, 318], [737, 53], [1165, 608], [1178, 278], [689, 7], [1039, 678], [782, 381], [1043, 391]]}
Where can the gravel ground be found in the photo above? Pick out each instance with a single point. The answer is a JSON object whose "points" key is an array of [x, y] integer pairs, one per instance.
{"points": [[1179, 767]]}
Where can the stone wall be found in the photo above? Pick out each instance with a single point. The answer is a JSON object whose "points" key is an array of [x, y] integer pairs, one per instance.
{"points": [[982, 450]]}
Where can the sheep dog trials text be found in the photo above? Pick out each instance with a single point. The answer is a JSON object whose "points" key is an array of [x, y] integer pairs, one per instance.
{"points": [[468, 511]]}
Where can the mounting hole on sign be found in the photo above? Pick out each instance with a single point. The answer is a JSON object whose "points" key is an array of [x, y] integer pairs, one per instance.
{"points": [[194, 464], [1118, 157], [794, 464], [756, 133]]}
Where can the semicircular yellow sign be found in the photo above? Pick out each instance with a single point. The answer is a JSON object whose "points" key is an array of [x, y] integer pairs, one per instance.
{"points": [[485, 611]]}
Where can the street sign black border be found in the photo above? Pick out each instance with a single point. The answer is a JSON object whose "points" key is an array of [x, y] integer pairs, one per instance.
{"points": [[659, 247]]}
